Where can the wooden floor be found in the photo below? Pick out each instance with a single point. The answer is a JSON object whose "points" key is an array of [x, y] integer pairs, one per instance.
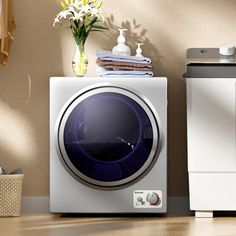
{"points": [[54, 225]]}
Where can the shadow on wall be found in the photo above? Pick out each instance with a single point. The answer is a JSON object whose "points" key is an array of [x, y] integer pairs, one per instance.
{"points": [[24, 87], [135, 34]]}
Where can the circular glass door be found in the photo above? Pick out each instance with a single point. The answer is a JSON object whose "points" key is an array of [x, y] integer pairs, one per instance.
{"points": [[108, 137]]}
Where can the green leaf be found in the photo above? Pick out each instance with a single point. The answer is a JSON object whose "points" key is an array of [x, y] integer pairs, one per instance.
{"points": [[93, 21], [96, 30], [100, 27]]}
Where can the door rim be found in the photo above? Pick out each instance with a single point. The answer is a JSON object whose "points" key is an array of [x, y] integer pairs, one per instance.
{"points": [[140, 100]]}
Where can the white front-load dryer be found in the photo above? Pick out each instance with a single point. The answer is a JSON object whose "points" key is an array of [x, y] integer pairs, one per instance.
{"points": [[108, 145]]}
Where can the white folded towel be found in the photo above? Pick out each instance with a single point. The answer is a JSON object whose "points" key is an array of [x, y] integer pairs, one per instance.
{"points": [[123, 73], [108, 56]]}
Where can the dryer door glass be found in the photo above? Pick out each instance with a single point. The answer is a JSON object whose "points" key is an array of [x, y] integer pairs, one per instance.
{"points": [[107, 138]]}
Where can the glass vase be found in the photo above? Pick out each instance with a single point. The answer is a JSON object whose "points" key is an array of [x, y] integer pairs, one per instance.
{"points": [[80, 61]]}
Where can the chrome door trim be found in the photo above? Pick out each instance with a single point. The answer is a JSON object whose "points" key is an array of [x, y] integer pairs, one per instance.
{"points": [[101, 88]]}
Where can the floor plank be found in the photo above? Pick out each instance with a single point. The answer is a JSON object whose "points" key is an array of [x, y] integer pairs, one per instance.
{"points": [[54, 225]]}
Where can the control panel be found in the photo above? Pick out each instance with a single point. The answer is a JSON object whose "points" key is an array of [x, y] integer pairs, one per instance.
{"points": [[147, 199]]}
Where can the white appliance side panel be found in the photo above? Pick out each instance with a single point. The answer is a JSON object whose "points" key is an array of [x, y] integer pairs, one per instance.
{"points": [[211, 125], [212, 191]]}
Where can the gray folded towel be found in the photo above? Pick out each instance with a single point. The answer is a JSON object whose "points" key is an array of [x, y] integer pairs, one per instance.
{"points": [[17, 171], [2, 171]]}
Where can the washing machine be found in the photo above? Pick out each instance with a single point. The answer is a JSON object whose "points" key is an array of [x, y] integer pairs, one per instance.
{"points": [[108, 145], [211, 121]]}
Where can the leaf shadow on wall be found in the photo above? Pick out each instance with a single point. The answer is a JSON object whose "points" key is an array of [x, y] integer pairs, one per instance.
{"points": [[135, 34]]}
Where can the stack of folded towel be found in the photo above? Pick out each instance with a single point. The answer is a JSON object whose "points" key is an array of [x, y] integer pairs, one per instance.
{"points": [[113, 65]]}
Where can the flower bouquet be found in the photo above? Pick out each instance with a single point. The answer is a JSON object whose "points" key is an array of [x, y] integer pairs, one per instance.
{"points": [[81, 16]]}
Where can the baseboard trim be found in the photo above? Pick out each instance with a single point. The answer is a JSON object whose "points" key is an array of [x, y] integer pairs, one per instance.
{"points": [[177, 206], [35, 205]]}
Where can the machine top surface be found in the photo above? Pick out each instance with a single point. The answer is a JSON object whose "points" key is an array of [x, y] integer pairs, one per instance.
{"points": [[208, 56], [209, 63]]}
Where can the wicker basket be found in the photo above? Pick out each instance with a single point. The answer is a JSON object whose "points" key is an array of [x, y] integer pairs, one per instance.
{"points": [[10, 194]]}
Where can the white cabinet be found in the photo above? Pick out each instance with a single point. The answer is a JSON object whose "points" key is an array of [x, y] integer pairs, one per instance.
{"points": [[211, 105], [211, 121]]}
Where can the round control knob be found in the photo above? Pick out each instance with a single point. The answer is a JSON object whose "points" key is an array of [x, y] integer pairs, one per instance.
{"points": [[227, 50], [139, 199], [153, 198]]}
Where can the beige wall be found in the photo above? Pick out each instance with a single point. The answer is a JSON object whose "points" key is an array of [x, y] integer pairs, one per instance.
{"points": [[168, 28]]}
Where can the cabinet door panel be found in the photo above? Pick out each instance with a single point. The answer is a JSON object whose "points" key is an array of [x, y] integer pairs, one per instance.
{"points": [[211, 124]]}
